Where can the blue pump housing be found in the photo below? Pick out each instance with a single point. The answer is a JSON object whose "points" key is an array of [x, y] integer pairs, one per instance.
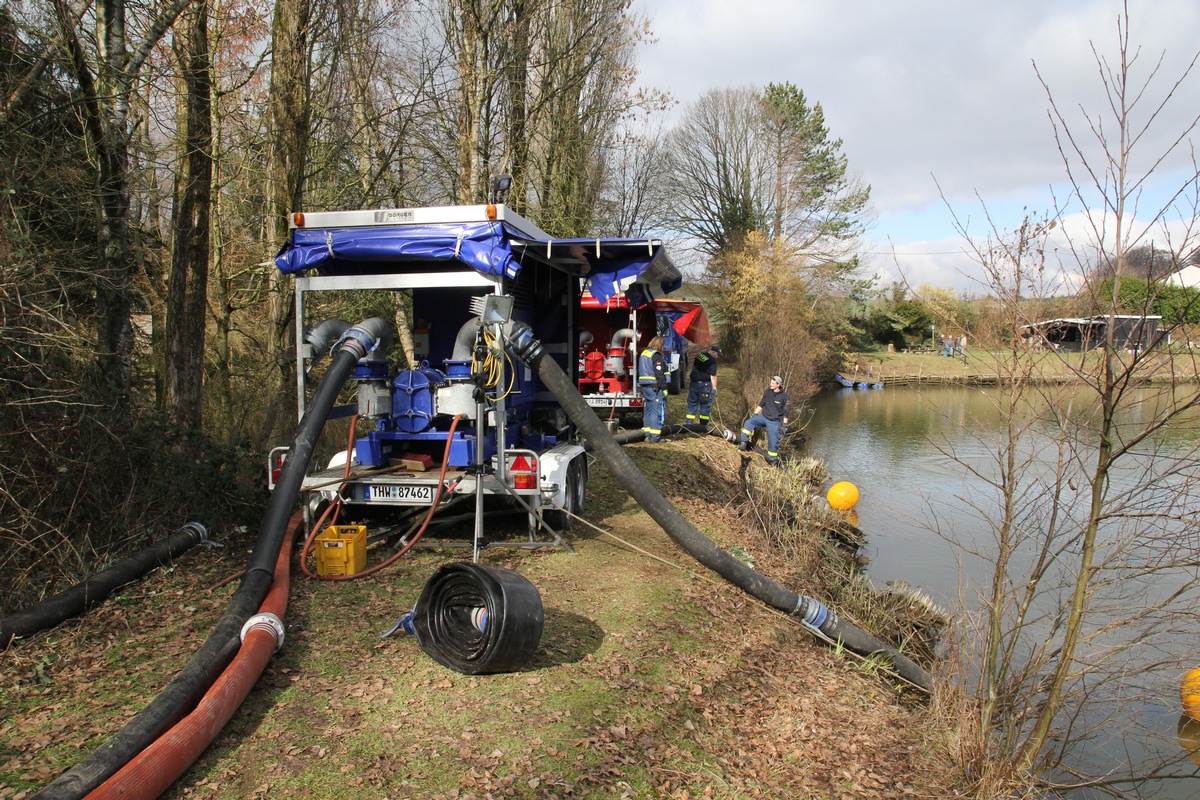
{"points": [[412, 398]]}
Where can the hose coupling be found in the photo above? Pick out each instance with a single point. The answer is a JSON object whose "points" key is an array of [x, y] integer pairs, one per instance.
{"points": [[200, 533], [812, 613], [359, 342], [265, 621], [521, 341], [366, 337]]}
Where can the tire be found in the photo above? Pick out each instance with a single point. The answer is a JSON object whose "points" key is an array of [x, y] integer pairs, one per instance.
{"points": [[576, 496]]}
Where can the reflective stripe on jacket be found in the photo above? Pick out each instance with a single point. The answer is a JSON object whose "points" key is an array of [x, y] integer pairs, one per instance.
{"points": [[652, 369]]}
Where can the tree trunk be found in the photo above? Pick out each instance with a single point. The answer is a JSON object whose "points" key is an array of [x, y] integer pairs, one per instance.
{"points": [[187, 290], [112, 291], [518, 107], [288, 105]]}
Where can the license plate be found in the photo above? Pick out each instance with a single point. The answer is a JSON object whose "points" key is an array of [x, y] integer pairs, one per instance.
{"points": [[421, 495], [600, 402]]}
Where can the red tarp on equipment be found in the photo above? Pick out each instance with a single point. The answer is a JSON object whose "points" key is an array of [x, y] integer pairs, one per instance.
{"points": [[692, 323]]}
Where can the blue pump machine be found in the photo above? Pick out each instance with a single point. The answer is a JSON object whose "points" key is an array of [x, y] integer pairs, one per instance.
{"points": [[469, 269]]}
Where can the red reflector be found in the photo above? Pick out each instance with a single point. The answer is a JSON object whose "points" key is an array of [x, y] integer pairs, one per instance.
{"points": [[520, 464]]}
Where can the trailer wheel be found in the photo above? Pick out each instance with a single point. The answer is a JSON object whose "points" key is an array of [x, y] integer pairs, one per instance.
{"points": [[576, 494]]}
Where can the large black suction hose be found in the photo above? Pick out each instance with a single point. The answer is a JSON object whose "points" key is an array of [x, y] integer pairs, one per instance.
{"points": [[628, 437], [95, 588], [173, 703], [810, 612]]}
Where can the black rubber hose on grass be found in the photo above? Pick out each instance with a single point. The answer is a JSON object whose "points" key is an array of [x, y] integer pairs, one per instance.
{"points": [[179, 696], [808, 611], [96, 588], [637, 435]]}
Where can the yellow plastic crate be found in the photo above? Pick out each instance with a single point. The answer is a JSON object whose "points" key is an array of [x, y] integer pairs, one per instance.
{"points": [[341, 550]]}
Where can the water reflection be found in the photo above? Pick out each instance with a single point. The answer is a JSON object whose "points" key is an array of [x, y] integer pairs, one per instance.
{"points": [[926, 464]]}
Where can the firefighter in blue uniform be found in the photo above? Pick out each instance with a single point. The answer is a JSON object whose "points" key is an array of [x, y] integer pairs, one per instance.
{"points": [[702, 386], [653, 381], [770, 413]]}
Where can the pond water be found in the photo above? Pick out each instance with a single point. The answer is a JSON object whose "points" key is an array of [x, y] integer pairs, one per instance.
{"points": [[924, 513]]}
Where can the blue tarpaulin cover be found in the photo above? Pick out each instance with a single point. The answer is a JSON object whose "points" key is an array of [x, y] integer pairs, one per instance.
{"points": [[611, 266]]}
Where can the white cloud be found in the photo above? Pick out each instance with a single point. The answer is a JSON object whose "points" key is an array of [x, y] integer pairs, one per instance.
{"points": [[927, 94]]}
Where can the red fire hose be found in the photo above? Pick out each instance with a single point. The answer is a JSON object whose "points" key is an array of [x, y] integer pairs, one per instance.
{"points": [[158, 766]]}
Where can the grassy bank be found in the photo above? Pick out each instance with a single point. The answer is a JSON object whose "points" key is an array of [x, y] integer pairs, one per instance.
{"points": [[981, 365], [653, 679]]}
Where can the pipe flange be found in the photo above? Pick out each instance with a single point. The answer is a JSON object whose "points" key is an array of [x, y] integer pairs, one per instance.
{"points": [[266, 621]]}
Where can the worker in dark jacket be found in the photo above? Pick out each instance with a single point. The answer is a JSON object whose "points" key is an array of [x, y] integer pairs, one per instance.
{"points": [[771, 413], [702, 386], [653, 382]]}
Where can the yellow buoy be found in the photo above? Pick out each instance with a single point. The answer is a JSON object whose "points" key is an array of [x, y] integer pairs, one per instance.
{"points": [[843, 496], [1189, 693]]}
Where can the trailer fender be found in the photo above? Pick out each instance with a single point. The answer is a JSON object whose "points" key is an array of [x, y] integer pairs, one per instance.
{"points": [[337, 460], [553, 473]]}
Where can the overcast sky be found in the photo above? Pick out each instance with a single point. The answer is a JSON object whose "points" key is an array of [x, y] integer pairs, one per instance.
{"points": [[927, 93]]}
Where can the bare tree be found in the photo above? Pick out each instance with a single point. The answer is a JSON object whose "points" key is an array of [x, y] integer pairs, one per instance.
{"points": [[240, 36], [187, 292], [719, 174], [1093, 548], [535, 89], [747, 162], [288, 131], [633, 198], [107, 80]]}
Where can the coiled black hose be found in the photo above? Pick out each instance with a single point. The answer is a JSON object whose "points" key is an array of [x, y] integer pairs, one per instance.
{"points": [[96, 588], [182, 693], [808, 611], [478, 619]]}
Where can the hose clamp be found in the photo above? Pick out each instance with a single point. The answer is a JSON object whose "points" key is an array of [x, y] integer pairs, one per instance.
{"points": [[358, 341], [268, 622]]}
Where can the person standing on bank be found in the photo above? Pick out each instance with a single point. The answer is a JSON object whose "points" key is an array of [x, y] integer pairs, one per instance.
{"points": [[653, 382], [771, 413], [702, 386]]}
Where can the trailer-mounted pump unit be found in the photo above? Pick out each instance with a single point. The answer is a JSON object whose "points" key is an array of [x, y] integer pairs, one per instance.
{"points": [[453, 417], [612, 333]]}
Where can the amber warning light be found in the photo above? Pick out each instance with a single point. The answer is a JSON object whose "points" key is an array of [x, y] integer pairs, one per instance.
{"points": [[298, 219], [524, 472]]}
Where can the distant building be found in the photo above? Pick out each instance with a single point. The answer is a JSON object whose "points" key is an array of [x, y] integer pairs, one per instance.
{"points": [[1079, 334], [1187, 277]]}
